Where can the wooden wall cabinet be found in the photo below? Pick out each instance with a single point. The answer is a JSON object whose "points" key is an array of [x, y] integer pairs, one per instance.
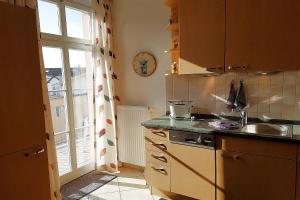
{"points": [[202, 35], [238, 35], [262, 35], [255, 170]]}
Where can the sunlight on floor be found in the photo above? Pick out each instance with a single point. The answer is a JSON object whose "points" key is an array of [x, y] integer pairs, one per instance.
{"points": [[130, 185]]}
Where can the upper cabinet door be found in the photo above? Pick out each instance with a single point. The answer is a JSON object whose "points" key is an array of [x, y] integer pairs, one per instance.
{"points": [[21, 103], [262, 35], [202, 34]]}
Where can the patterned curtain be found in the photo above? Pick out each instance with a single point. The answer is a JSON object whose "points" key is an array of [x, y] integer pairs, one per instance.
{"points": [[105, 98], [52, 161]]}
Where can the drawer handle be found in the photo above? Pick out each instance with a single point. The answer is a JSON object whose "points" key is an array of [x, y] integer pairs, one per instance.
{"points": [[159, 133], [234, 157], [160, 146], [160, 170], [161, 158]]}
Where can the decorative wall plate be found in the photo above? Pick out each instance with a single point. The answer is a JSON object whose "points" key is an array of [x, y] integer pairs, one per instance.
{"points": [[144, 64]]}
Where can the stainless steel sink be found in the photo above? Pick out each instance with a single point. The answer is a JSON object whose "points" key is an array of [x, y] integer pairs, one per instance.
{"points": [[258, 128], [268, 129]]}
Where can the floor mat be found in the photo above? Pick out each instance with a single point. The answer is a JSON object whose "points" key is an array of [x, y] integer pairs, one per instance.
{"points": [[85, 185]]}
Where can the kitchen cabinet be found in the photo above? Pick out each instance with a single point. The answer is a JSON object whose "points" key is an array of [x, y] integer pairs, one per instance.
{"points": [[251, 169], [21, 106], [239, 35], [262, 35], [23, 155], [193, 171], [24, 175], [298, 175], [157, 171], [202, 36]]}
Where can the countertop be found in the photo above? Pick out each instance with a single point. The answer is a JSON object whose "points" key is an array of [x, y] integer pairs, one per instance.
{"points": [[165, 122]]}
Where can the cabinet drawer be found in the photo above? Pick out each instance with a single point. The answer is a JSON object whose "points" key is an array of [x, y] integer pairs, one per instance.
{"points": [[257, 147], [158, 176], [157, 157], [160, 134], [156, 144]]}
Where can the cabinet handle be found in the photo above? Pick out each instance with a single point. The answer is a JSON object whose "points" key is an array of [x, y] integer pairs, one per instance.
{"points": [[160, 133], [161, 158], [232, 67], [234, 157], [37, 152], [208, 141], [160, 170], [215, 69], [160, 146]]}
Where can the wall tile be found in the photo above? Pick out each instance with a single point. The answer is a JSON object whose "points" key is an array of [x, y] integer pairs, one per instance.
{"points": [[274, 96], [290, 77], [277, 79], [180, 88]]}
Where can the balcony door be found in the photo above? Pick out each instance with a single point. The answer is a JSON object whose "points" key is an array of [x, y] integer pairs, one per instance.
{"points": [[69, 69]]}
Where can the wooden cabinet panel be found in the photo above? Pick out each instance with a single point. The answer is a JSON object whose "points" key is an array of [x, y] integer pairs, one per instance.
{"points": [[193, 171], [298, 175], [24, 175], [257, 147], [263, 34], [247, 177], [21, 103], [202, 34]]}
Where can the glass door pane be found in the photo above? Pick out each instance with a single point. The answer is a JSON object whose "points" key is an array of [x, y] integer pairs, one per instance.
{"points": [[53, 61], [81, 67]]}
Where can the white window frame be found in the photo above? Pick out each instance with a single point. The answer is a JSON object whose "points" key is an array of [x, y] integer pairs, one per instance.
{"points": [[64, 42]]}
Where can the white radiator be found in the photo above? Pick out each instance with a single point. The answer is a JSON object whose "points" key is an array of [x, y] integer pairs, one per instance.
{"points": [[131, 143]]}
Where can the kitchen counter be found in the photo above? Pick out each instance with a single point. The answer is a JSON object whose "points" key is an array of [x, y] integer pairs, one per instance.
{"points": [[187, 125]]}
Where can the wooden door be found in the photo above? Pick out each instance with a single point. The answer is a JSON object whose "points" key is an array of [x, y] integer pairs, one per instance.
{"points": [[202, 34], [193, 171], [25, 175], [21, 102], [262, 35], [248, 176]]}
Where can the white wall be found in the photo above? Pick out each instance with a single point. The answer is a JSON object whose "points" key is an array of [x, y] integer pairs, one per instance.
{"points": [[139, 25]]}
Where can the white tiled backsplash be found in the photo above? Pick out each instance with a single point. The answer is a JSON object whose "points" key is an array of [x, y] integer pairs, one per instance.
{"points": [[274, 96]]}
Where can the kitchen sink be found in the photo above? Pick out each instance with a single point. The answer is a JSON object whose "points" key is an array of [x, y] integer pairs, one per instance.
{"points": [[268, 129], [256, 128]]}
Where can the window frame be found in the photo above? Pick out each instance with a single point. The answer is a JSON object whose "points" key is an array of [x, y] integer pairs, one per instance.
{"points": [[65, 43], [64, 38]]}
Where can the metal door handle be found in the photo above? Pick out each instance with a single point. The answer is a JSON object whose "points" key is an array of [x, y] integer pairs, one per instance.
{"points": [[160, 170], [160, 133], [233, 67], [234, 157], [161, 158], [37, 152], [160, 146]]}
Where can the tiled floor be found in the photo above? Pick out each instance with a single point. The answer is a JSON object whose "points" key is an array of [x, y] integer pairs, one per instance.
{"points": [[130, 185]]}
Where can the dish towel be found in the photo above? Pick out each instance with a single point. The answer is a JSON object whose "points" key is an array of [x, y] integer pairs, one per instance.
{"points": [[232, 96], [240, 101]]}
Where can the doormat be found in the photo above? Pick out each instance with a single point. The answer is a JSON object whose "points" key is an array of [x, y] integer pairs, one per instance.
{"points": [[84, 185]]}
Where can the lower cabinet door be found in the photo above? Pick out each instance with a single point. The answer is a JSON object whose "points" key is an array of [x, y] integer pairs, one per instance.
{"points": [[193, 171], [158, 176], [248, 177], [25, 176]]}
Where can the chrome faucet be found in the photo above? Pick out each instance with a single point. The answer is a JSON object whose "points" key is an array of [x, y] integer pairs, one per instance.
{"points": [[244, 117]]}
